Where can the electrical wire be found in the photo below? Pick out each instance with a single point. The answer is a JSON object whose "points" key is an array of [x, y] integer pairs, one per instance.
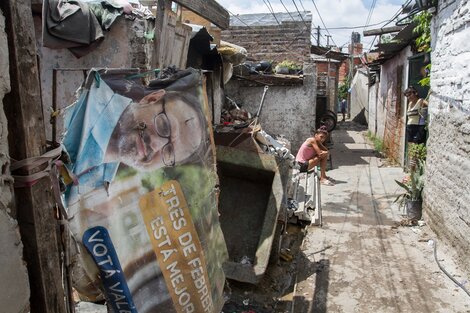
{"points": [[355, 27], [287, 11], [270, 9], [321, 19], [286, 48], [371, 10], [446, 272], [390, 20], [300, 14], [303, 8]]}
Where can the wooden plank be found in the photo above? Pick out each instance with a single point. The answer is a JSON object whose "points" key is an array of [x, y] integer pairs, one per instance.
{"points": [[181, 44], [35, 205], [162, 7], [172, 42], [208, 9], [219, 96], [384, 30]]}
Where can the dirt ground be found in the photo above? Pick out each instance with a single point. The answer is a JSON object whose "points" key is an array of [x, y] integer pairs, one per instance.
{"points": [[362, 259]]}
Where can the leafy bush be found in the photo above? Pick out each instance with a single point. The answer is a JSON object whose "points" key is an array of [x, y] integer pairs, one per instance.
{"points": [[417, 151], [290, 65]]}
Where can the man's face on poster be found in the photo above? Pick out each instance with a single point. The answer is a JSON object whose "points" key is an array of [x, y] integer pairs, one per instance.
{"points": [[161, 130]]}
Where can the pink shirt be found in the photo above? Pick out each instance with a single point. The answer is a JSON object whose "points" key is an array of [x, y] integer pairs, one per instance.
{"points": [[306, 152]]}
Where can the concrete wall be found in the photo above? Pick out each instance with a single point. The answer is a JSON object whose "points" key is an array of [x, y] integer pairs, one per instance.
{"points": [[359, 108], [123, 47], [447, 191], [14, 285], [272, 43], [391, 105], [287, 110]]}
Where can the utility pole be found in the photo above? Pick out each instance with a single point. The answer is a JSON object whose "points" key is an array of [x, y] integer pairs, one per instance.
{"points": [[328, 41], [318, 36]]}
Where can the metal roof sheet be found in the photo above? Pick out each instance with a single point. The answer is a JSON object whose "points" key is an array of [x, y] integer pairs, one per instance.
{"points": [[267, 19]]}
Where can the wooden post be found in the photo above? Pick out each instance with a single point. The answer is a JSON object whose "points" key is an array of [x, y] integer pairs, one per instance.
{"points": [[160, 24], [35, 205]]}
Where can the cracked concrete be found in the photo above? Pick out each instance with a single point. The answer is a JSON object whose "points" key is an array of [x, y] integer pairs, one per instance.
{"points": [[367, 262]]}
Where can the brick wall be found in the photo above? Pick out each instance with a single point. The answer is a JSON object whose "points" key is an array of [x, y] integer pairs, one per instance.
{"points": [[447, 191], [273, 43]]}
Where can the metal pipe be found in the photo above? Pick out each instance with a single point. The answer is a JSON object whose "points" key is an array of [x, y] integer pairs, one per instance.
{"points": [[318, 198], [262, 101]]}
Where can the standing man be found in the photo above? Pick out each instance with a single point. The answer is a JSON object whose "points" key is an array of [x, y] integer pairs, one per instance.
{"points": [[344, 105]]}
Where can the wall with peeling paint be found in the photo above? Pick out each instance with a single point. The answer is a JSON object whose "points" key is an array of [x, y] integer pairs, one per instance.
{"points": [[287, 110], [447, 191], [388, 106], [14, 285]]}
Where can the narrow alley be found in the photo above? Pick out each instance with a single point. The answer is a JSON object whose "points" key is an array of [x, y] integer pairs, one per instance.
{"points": [[362, 260]]}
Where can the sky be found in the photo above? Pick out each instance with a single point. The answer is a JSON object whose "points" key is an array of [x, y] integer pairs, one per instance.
{"points": [[335, 13]]}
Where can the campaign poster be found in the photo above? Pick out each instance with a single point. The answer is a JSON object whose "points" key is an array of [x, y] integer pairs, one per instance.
{"points": [[142, 193]]}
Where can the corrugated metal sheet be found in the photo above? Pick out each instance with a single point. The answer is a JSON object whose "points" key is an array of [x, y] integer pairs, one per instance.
{"points": [[265, 19]]}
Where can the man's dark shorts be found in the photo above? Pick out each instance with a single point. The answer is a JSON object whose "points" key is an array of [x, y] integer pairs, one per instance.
{"points": [[416, 133], [303, 166]]}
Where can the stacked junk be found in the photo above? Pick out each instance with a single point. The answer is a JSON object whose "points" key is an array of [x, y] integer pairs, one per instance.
{"points": [[261, 188]]}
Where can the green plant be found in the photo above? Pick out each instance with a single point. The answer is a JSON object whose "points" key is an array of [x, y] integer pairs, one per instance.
{"points": [[423, 41], [413, 185], [423, 30], [417, 151], [343, 90], [290, 65], [378, 143]]}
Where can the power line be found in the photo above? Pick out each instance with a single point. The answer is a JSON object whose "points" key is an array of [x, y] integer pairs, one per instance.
{"points": [[287, 49], [371, 10], [391, 20], [270, 8], [300, 14], [321, 19], [287, 11], [302, 5]]}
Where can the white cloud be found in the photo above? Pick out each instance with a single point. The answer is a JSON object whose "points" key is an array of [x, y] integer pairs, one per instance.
{"points": [[335, 13]]}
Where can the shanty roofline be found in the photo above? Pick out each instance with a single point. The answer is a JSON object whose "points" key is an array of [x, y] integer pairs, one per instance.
{"points": [[328, 53], [399, 42], [267, 19]]}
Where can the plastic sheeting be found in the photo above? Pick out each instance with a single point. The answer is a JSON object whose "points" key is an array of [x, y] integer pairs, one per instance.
{"points": [[143, 209]]}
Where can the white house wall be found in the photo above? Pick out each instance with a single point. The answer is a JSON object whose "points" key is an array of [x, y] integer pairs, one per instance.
{"points": [[359, 97], [447, 188]]}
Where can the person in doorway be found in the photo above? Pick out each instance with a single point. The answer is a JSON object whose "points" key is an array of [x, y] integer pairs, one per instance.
{"points": [[313, 153], [344, 105], [417, 116]]}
